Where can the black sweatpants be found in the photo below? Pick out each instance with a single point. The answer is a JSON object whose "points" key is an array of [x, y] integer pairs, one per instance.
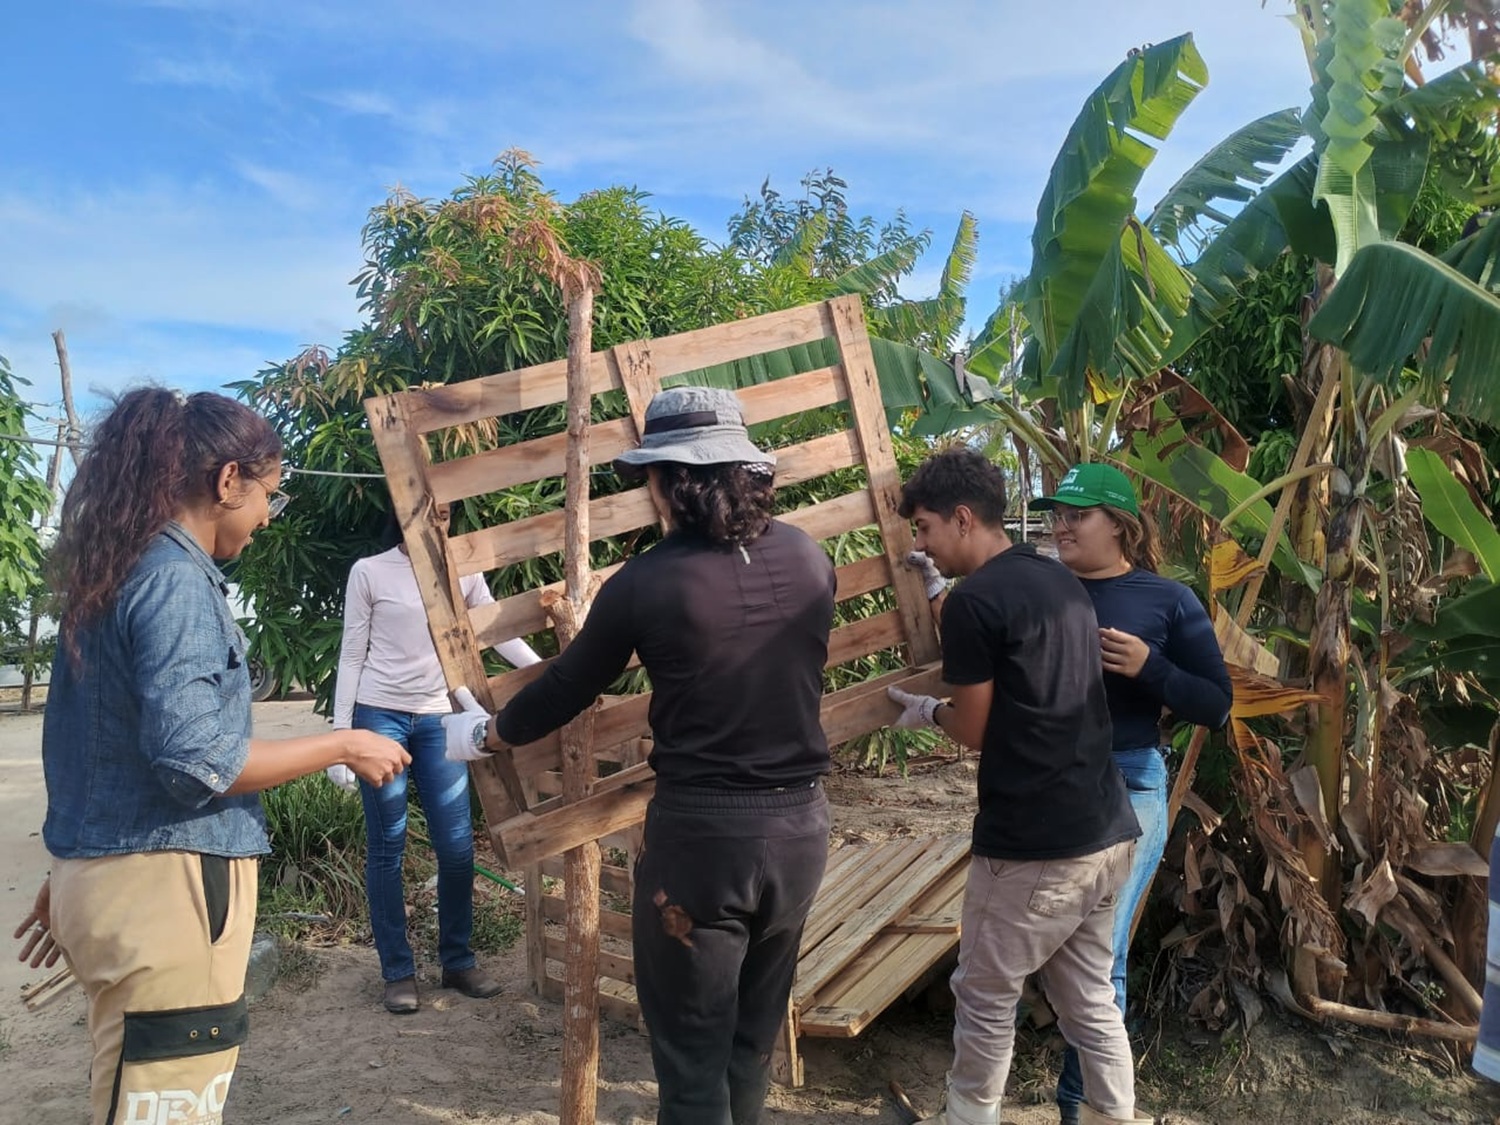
{"points": [[722, 888]]}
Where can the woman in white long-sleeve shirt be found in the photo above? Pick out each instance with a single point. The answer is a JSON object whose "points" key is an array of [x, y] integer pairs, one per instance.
{"points": [[390, 681]]}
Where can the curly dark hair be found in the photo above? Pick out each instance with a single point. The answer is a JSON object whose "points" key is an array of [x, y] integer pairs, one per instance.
{"points": [[953, 477], [152, 453], [727, 504]]}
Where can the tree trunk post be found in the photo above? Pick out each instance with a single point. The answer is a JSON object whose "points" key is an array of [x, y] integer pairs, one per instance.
{"points": [[580, 1055]]}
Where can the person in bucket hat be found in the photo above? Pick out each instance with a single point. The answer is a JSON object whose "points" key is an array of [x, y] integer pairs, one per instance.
{"points": [[694, 426], [1160, 655], [730, 615]]}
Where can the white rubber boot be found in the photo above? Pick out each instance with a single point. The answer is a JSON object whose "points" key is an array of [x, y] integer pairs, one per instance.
{"points": [[959, 1110], [1089, 1116]]}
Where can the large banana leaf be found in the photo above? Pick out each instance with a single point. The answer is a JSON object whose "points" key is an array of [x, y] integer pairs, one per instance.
{"points": [[1168, 456], [1448, 506], [1282, 217], [1090, 194], [1354, 70], [1395, 301], [1121, 328], [1232, 170]]}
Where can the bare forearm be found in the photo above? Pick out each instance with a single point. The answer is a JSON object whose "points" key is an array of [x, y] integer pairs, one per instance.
{"points": [[273, 761]]}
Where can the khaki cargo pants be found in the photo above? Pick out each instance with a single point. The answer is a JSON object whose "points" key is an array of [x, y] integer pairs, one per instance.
{"points": [[160, 942]]}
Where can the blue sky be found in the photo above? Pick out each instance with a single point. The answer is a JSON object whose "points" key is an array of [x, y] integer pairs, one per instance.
{"points": [[186, 179]]}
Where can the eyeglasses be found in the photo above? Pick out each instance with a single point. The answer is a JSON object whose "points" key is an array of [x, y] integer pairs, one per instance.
{"points": [[1068, 517], [276, 500]]}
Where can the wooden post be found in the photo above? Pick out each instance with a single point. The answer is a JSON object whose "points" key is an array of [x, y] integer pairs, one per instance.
{"points": [[580, 1054], [65, 373]]}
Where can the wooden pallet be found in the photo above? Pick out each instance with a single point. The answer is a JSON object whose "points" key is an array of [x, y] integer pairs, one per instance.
{"points": [[415, 432]]}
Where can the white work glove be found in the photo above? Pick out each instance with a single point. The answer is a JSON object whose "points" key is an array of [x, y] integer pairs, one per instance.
{"points": [[917, 711], [464, 731], [933, 582], [342, 776]]}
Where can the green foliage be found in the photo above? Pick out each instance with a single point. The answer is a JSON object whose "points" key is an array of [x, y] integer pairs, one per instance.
{"points": [[317, 859], [24, 503], [447, 297], [1240, 361], [1447, 506]]}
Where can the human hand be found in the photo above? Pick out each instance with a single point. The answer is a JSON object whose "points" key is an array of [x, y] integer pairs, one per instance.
{"points": [[41, 947], [464, 731], [342, 776], [933, 582], [373, 757], [917, 711], [1124, 653]]}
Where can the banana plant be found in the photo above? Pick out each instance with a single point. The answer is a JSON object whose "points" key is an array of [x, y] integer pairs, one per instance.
{"points": [[1109, 299]]}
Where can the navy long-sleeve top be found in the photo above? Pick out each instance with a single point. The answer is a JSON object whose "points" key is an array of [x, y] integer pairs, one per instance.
{"points": [[1185, 672]]}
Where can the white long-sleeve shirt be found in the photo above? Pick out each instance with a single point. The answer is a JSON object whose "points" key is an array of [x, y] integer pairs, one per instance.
{"points": [[387, 658]]}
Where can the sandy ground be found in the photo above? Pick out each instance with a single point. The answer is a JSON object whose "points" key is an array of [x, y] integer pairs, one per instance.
{"points": [[322, 1049]]}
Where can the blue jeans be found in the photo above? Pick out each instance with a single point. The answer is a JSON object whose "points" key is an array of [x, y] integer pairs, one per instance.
{"points": [[1145, 773], [444, 790]]}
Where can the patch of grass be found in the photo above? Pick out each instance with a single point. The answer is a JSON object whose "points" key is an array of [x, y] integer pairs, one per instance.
{"points": [[300, 965], [499, 921], [317, 859]]}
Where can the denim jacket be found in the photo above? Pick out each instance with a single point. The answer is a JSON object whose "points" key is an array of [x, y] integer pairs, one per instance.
{"points": [[145, 733]]}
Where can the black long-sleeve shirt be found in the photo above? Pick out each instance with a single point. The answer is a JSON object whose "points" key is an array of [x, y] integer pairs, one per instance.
{"points": [[1185, 672], [734, 641]]}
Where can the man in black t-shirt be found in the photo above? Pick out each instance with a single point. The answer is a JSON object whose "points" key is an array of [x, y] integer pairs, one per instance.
{"points": [[1054, 831]]}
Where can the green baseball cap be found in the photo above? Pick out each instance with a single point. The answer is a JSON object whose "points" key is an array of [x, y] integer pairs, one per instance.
{"points": [[1089, 485]]}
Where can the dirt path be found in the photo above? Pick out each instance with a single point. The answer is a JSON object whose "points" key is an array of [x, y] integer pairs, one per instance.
{"points": [[322, 1050]]}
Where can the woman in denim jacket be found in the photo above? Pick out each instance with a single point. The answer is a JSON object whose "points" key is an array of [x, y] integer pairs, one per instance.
{"points": [[1160, 654], [153, 779]]}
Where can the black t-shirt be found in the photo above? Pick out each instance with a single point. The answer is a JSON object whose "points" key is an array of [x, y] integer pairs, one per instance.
{"points": [[1048, 785], [1185, 672], [734, 642]]}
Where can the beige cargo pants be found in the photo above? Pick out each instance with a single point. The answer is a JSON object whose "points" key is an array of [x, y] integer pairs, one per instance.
{"points": [[160, 942], [1054, 916]]}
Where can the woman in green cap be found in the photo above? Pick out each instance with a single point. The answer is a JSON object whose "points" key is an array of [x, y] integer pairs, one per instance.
{"points": [[1160, 654]]}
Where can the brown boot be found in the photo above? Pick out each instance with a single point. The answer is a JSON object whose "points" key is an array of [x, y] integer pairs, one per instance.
{"points": [[401, 996], [474, 983]]}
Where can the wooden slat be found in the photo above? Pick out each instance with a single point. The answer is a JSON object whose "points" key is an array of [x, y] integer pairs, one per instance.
{"points": [[613, 966], [506, 544], [617, 802], [885, 479], [859, 882], [845, 944], [833, 517], [612, 924], [862, 577], [534, 460], [889, 966], [861, 708], [862, 637], [612, 878], [616, 1000], [816, 457], [796, 394], [437, 408]]}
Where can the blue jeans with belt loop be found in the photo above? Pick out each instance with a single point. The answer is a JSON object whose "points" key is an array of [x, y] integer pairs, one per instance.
{"points": [[444, 789], [1145, 773]]}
